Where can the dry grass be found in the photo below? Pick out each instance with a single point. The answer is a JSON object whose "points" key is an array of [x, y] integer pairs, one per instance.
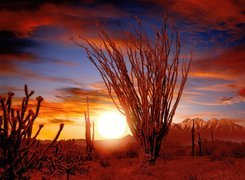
{"points": [[179, 168], [175, 162]]}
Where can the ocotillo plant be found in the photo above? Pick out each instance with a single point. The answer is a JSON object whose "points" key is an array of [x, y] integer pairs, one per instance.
{"points": [[89, 141], [212, 135], [19, 151], [148, 78], [193, 138], [200, 144]]}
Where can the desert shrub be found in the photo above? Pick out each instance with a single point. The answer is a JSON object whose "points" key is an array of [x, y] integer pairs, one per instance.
{"points": [[124, 153], [238, 150], [166, 156], [132, 153], [66, 158], [220, 154], [229, 161], [172, 150], [226, 149], [20, 151], [180, 151], [207, 148], [104, 162]]}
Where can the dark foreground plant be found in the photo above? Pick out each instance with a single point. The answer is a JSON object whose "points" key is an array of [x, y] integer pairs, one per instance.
{"points": [[20, 151]]}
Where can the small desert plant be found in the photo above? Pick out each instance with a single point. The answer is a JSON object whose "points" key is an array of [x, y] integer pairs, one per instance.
{"points": [[104, 162], [222, 150], [200, 144], [19, 150], [132, 153], [67, 158], [208, 147], [220, 154], [173, 150]]}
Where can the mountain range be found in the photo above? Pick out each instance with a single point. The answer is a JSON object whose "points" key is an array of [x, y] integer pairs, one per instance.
{"points": [[180, 133], [223, 129]]}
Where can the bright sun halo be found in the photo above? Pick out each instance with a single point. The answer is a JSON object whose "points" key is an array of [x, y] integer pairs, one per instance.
{"points": [[111, 125]]}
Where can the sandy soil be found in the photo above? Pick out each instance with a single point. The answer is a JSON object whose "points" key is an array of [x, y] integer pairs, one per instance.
{"points": [[174, 169]]}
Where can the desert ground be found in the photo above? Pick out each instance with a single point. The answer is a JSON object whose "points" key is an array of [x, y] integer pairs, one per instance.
{"points": [[120, 159], [185, 167]]}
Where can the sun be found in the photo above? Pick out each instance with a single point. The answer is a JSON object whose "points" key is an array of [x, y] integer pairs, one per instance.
{"points": [[111, 125]]}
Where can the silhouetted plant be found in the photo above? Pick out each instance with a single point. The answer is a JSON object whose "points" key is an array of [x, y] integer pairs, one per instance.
{"points": [[220, 150], [193, 138], [212, 135], [89, 139], [104, 162], [19, 150], [200, 144], [69, 160], [144, 81]]}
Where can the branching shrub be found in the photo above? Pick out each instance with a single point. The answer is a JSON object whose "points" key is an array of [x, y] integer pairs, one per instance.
{"points": [[19, 149], [66, 158], [220, 150], [104, 162]]}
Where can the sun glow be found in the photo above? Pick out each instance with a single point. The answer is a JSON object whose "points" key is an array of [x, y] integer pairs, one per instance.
{"points": [[112, 125]]}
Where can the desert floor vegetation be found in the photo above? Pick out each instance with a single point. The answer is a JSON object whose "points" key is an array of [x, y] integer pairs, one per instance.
{"points": [[175, 162]]}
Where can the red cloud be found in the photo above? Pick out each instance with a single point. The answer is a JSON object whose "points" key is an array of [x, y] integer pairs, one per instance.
{"points": [[242, 92], [78, 19], [216, 14], [229, 65]]}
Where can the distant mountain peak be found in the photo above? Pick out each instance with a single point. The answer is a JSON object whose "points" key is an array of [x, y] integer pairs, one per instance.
{"points": [[222, 128], [213, 122], [187, 123]]}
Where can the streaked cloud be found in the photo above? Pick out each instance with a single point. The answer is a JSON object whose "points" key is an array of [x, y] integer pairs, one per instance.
{"points": [[228, 66], [58, 121], [208, 14]]}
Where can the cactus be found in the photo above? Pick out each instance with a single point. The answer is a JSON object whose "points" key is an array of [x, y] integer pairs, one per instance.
{"points": [[212, 135], [200, 144], [62, 162], [89, 141], [19, 151], [193, 138], [92, 142]]}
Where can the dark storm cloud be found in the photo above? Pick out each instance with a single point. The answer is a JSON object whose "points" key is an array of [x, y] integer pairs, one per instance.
{"points": [[13, 56], [77, 16], [192, 16], [35, 4], [10, 43], [12, 50], [13, 53]]}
